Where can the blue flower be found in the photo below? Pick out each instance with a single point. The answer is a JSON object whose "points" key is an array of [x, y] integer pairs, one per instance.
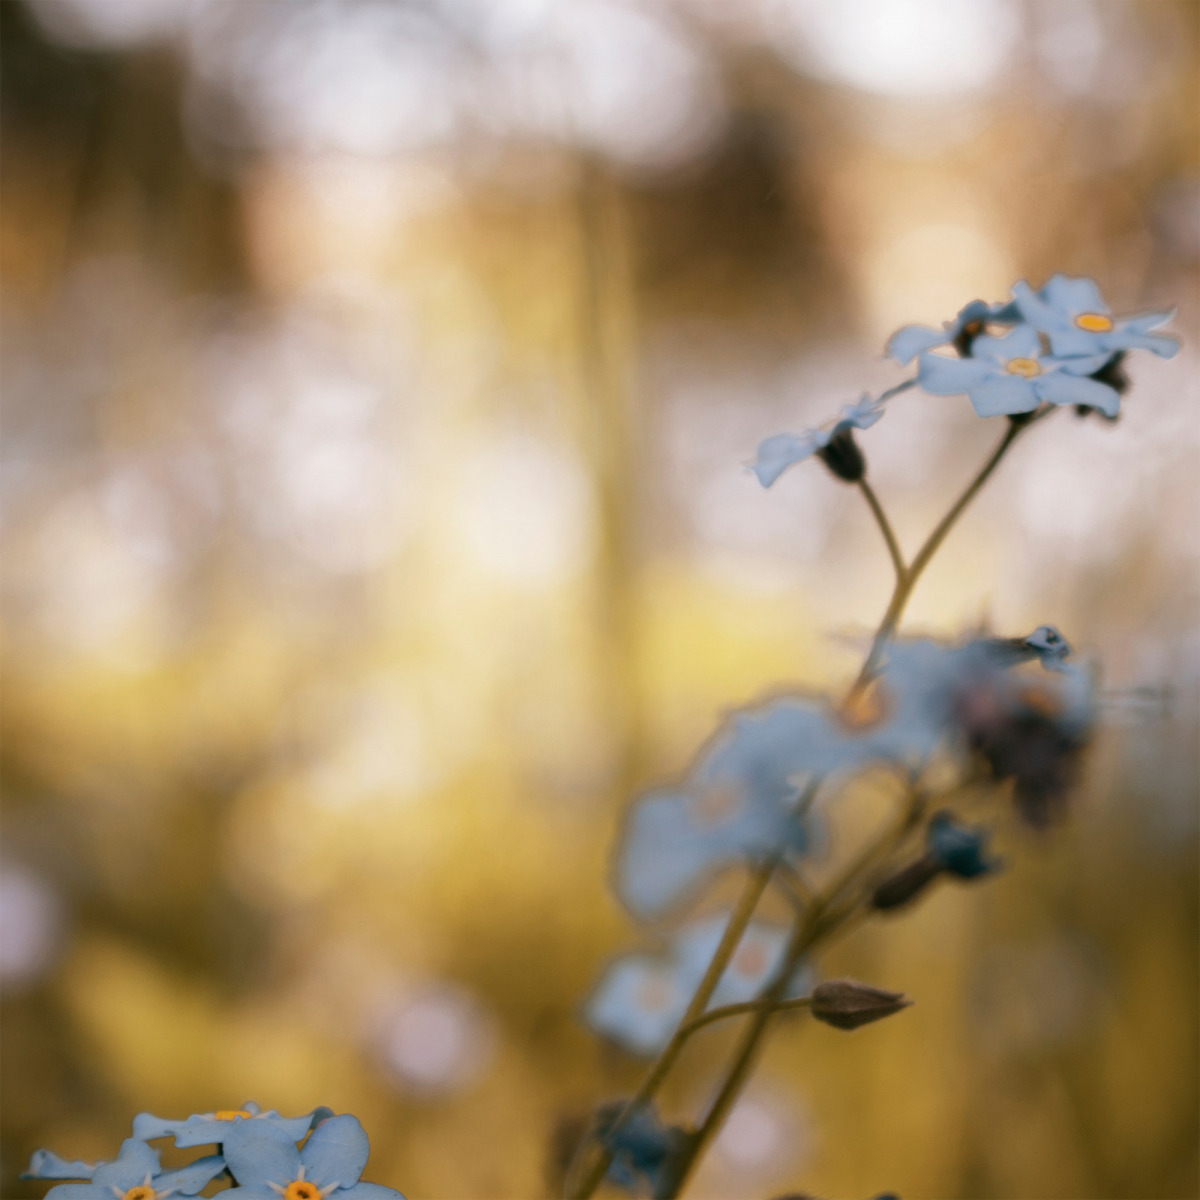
{"points": [[1010, 374], [644, 1150], [905, 344], [736, 805], [1073, 315], [200, 1129], [958, 849], [642, 997], [135, 1175], [784, 450], [267, 1166]]}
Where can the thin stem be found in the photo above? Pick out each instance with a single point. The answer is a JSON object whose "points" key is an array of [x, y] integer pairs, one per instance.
{"points": [[750, 1006], [885, 527], [747, 903], [905, 585], [807, 933]]}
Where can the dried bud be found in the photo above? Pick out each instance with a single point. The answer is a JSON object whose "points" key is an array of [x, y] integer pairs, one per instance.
{"points": [[907, 884], [843, 457], [845, 1004]]}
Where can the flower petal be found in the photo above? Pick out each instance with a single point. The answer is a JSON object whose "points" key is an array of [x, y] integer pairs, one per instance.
{"points": [[1074, 296], [951, 376], [80, 1191], [336, 1152], [369, 1191], [1002, 395], [147, 1126], [258, 1152], [256, 1191], [1164, 347], [618, 1007], [1084, 364], [133, 1164], [1036, 311], [190, 1179], [44, 1164], [783, 450], [662, 855], [1078, 343], [1061, 387], [905, 344], [1144, 322], [1021, 341]]}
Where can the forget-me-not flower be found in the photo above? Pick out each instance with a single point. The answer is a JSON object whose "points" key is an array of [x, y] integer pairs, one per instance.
{"points": [[906, 343], [1010, 374], [642, 997], [783, 450], [200, 1129], [134, 1175], [267, 1166], [1073, 315], [736, 805]]}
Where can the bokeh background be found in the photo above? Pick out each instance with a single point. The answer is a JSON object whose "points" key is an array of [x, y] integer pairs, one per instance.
{"points": [[378, 383]]}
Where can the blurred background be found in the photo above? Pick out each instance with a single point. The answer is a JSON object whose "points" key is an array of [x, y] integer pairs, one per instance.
{"points": [[378, 383]]}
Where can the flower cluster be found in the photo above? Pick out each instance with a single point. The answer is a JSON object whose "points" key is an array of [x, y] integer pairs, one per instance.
{"points": [[1057, 346], [258, 1150]]}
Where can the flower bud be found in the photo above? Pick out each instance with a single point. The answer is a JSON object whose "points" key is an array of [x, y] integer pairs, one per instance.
{"points": [[843, 457], [907, 884], [845, 1004], [959, 849]]}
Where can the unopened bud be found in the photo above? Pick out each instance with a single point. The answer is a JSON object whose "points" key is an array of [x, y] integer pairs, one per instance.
{"points": [[843, 457], [959, 849], [907, 884], [845, 1004]]}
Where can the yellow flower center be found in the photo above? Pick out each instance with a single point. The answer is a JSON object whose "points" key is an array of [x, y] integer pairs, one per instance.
{"points": [[141, 1192], [1027, 368], [229, 1114], [301, 1189], [1094, 322]]}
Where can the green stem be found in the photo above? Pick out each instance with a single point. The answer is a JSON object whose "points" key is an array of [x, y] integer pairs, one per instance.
{"points": [[750, 1006], [813, 928], [885, 527], [747, 903], [906, 583]]}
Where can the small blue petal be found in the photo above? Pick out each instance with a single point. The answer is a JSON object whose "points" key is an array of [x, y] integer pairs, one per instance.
{"points": [[905, 344], [1145, 322], [862, 415], [1073, 296], [336, 1152], [1079, 343], [1087, 364], [190, 1179], [255, 1191], [1002, 395], [1035, 310], [80, 1191], [258, 1153], [1164, 347], [1021, 341], [133, 1164], [951, 376], [44, 1164], [784, 450], [1060, 387], [368, 1191], [638, 1003]]}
